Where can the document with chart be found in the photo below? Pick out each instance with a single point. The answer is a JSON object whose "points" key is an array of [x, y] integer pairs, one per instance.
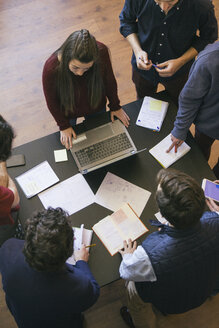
{"points": [[114, 191]]}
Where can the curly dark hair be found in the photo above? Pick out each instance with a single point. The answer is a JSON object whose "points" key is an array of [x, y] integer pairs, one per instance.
{"points": [[6, 137], [48, 240], [180, 199]]}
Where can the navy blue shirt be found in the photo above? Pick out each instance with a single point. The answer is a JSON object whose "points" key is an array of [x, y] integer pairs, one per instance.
{"points": [[166, 37], [45, 299]]}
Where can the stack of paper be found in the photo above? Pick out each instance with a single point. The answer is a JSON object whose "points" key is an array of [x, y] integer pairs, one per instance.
{"points": [[152, 113], [166, 159]]}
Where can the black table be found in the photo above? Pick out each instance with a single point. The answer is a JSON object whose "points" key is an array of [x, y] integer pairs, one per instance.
{"points": [[140, 169]]}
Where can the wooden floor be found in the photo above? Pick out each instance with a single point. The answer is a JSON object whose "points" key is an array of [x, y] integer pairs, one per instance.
{"points": [[30, 31]]}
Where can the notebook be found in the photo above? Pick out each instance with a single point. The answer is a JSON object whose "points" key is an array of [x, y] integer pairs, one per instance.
{"points": [[81, 235], [101, 146], [37, 179], [166, 159], [152, 113], [119, 226]]}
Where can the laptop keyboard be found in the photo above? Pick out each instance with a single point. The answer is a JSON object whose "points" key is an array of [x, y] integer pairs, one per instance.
{"points": [[103, 149]]}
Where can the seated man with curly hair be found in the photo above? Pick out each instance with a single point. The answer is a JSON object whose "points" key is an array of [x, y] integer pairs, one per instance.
{"points": [[41, 289]]}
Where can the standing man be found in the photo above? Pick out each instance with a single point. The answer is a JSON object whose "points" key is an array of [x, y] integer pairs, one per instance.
{"points": [[176, 268], [164, 40], [9, 198], [199, 103], [41, 289]]}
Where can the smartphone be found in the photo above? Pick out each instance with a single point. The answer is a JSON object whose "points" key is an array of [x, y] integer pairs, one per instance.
{"points": [[211, 189], [15, 160]]}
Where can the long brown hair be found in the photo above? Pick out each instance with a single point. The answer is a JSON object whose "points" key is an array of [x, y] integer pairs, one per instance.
{"points": [[82, 46]]}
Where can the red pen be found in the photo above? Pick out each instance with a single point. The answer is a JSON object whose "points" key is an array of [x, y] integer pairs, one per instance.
{"points": [[175, 148]]}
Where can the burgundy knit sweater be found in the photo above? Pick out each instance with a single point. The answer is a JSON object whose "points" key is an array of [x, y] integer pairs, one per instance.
{"points": [[82, 106]]}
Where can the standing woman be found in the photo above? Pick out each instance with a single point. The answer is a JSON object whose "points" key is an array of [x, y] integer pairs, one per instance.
{"points": [[77, 81]]}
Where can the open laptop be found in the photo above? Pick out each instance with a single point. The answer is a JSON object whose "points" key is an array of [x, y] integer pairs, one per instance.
{"points": [[101, 146]]}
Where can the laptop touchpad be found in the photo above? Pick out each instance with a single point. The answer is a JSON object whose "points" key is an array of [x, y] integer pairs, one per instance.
{"points": [[104, 132]]}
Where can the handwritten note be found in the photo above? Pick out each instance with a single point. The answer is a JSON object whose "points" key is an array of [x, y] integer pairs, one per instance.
{"points": [[37, 179], [114, 191], [72, 194]]}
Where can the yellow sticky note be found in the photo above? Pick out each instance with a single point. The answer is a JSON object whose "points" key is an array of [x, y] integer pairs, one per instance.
{"points": [[155, 105], [60, 155]]}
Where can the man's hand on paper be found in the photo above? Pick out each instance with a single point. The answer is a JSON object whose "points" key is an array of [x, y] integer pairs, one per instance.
{"points": [[128, 248], [81, 254], [66, 137], [175, 143]]}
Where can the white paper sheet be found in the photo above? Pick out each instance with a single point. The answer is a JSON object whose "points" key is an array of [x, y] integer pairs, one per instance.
{"points": [[114, 191], [37, 179], [81, 235], [72, 195]]}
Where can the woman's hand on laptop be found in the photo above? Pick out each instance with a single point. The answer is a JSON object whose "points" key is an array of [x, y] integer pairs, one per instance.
{"points": [[121, 115], [66, 137]]}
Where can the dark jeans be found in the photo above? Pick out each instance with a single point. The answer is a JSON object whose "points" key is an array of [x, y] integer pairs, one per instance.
{"points": [[7, 231], [146, 88], [205, 144]]}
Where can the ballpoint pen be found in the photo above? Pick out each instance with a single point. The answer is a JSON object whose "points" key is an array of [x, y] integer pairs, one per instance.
{"points": [[90, 245], [148, 63]]}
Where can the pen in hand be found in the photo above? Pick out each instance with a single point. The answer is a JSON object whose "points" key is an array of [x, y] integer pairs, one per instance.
{"points": [[90, 245], [156, 66]]}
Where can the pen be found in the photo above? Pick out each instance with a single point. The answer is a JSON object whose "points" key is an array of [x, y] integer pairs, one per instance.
{"points": [[90, 245], [156, 66], [148, 63], [175, 148]]}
